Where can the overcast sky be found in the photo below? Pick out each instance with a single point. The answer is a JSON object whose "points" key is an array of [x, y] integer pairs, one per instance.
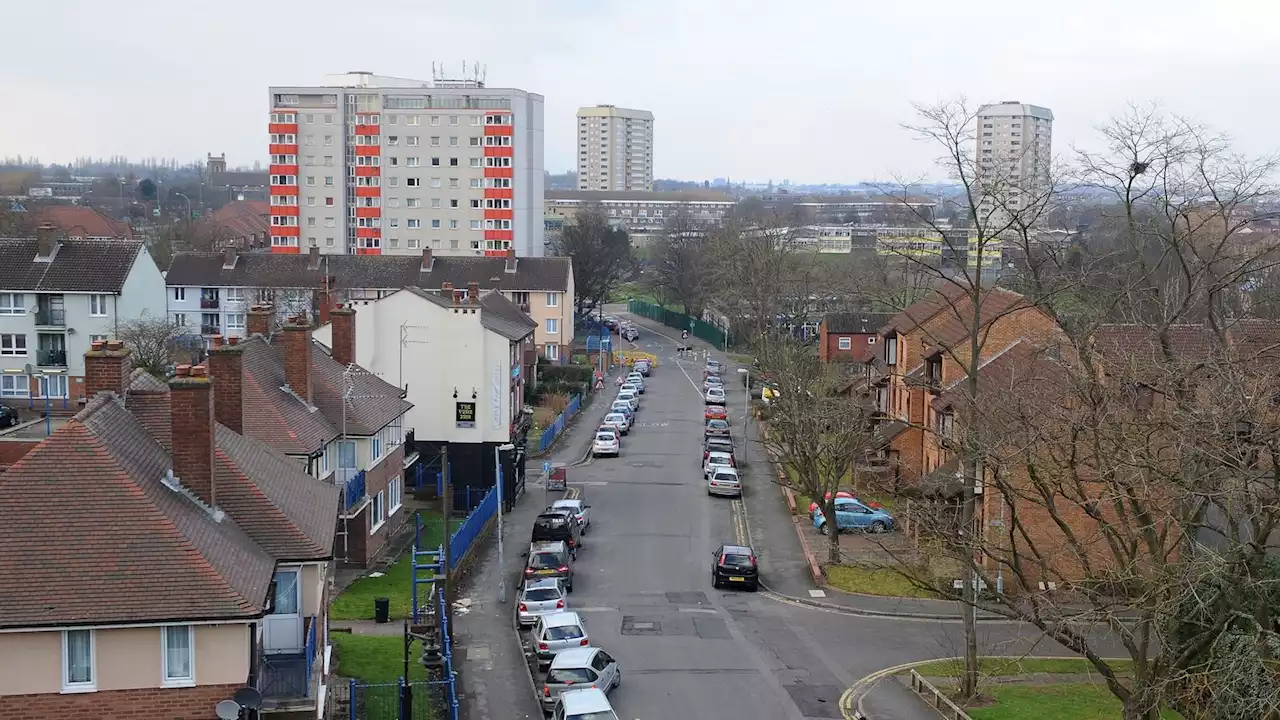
{"points": [[805, 90]]}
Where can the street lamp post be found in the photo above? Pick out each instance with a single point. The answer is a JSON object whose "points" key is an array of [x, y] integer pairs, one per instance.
{"points": [[502, 566], [184, 197], [746, 404]]}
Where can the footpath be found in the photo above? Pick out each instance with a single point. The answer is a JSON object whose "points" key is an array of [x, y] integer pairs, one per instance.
{"points": [[493, 673]]}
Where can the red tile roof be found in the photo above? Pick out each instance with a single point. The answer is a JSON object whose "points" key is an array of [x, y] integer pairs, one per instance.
{"points": [[78, 221], [241, 219], [11, 451]]}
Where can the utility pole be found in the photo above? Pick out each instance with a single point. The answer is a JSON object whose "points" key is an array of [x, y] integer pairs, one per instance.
{"points": [[447, 509]]}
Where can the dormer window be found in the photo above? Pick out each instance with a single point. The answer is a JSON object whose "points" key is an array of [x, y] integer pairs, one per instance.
{"points": [[946, 424], [933, 369], [891, 350]]}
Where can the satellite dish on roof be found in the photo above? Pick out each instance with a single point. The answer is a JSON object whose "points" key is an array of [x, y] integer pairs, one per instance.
{"points": [[248, 697], [227, 710]]}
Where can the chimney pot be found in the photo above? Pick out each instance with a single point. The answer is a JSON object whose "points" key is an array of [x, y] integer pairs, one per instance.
{"points": [[98, 345], [106, 368], [199, 371], [233, 340], [216, 340], [182, 370], [473, 292], [495, 282]]}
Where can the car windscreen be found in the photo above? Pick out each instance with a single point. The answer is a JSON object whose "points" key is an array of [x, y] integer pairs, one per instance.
{"points": [[726, 477], [737, 560], [563, 632], [569, 676], [719, 458], [607, 437], [549, 522], [717, 424], [541, 594], [726, 447], [542, 561]]}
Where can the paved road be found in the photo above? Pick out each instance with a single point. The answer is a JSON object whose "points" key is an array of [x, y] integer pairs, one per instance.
{"points": [[643, 584]]}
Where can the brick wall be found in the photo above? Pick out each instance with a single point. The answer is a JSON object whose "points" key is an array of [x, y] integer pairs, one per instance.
{"points": [[195, 703], [376, 480], [191, 412], [297, 358]]}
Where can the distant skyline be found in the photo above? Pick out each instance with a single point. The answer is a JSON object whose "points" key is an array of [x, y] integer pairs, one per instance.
{"points": [[811, 91]]}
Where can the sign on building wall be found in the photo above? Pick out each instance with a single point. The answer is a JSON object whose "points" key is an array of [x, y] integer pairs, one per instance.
{"points": [[464, 414], [499, 379]]}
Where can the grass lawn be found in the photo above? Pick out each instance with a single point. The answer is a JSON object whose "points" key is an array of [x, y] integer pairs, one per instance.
{"points": [[1052, 702], [378, 661], [1007, 666], [633, 291], [873, 581], [356, 602]]}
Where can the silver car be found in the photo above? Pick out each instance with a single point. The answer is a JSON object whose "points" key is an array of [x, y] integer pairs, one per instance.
{"points": [[580, 668], [633, 398], [636, 379], [557, 632], [624, 407], [541, 597], [714, 396], [724, 481], [617, 420]]}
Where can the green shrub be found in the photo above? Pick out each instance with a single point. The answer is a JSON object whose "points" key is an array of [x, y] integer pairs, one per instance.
{"points": [[566, 373]]}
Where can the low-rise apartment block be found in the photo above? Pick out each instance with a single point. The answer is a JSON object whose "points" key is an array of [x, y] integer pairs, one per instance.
{"points": [[178, 561], [211, 293], [641, 214], [56, 298]]}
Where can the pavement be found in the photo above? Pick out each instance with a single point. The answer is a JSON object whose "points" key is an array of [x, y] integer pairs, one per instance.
{"points": [[643, 584]]}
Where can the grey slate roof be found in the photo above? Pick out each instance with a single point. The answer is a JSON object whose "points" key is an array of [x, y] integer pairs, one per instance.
{"points": [[373, 404], [504, 317], [91, 266], [865, 323], [384, 272]]}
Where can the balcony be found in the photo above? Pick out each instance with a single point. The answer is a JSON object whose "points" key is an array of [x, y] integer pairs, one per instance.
{"points": [[208, 303], [51, 358], [51, 317], [210, 330], [353, 490], [292, 680]]}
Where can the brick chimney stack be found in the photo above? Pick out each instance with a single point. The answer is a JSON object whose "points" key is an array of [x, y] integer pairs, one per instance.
{"points": [[473, 293], [427, 260], [229, 257], [106, 368], [191, 417], [495, 282], [511, 259], [46, 241], [344, 335], [446, 290], [297, 356], [313, 258], [226, 369], [258, 321]]}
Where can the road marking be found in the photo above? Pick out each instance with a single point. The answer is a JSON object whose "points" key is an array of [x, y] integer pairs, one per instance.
{"points": [[705, 611], [593, 609]]}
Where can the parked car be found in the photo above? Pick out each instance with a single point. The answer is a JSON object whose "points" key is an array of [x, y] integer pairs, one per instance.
{"points": [[713, 367], [581, 510], [629, 386], [630, 333], [554, 525], [556, 632], [585, 704], [716, 427], [541, 596], [606, 443], [550, 560], [643, 366], [580, 667], [716, 444], [714, 395], [854, 516], [618, 422], [636, 379], [724, 481], [631, 397], [717, 459], [735, 565], [842, 498], [8, 416], [711, 381], [625, 408], [714, 412]]}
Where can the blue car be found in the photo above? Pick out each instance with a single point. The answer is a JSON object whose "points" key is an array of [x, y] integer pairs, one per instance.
{"points": [[853, 515]]}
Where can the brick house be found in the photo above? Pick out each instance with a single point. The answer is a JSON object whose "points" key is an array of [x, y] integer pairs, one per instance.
{"points": [[850, 337], [926, 347], [178, 560], [289, 390]]}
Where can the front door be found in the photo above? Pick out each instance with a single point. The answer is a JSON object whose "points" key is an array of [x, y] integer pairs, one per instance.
{"points": [[282, 629]]}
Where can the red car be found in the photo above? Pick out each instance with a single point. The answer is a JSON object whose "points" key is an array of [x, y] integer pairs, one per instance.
{"points": [[715, 412]]}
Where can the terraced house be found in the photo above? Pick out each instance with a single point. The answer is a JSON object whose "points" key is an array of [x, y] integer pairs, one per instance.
{"points": [[210, 293], [337, 421], [158, 562]]}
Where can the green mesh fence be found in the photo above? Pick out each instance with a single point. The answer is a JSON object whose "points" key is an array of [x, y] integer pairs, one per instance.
{"points": [[698, 328]]}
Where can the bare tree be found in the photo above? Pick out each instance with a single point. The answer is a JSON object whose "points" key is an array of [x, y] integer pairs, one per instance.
{"points": [[152, 340], [680, 270], [602, 257]]}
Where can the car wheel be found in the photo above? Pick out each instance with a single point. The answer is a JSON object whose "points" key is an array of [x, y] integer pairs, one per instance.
{"points": [[877, 527], [754, 586], [715, 581], [617, 679], [569, 587], [824, 529]]}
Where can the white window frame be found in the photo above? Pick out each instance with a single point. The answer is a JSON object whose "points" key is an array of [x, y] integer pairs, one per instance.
{"points": [[551, 351], [84, 686], [378, 512], [395, 494], [20, 384], [553, 299], [165, 679], [12, 350], [12, 308], [552, 326], [179, 294], [845, 343], [97, 305]]}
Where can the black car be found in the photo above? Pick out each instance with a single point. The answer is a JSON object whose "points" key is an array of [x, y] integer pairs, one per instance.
{"points": [[8, 417], [554, 525], [716, 428], [716, 443], [735, 565]]}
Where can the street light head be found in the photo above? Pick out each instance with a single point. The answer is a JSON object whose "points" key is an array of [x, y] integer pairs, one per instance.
{"points": [[744, 371], [506, 446]]}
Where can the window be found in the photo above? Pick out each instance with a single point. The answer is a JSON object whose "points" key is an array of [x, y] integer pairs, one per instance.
{"points": [[311, 180], [328, 202], [329, 222], [475, 204], [453, 119], [378, 513], [394, 493], [328, 161], [413, 202], [180, 319], [328, 181], [411, 162], [891, 351], [453, 141], [178, 294], [14, 386], [435, 223], [453, 162], [393, 139], [435, 141], [553, 326], [435, 119], [412, 243], [453, 183], [846, 343], [453, 203], [476, 182], [435, 182], [453, 224], [411, 140], [553, 300], [475, 224], [415, 223], [413, 182], [235, 321], [435, 203], [474, 162], [77, 661], [551, 351], [393, 182], [413, 120], [178, 656], [328, 139], [13, 344]]}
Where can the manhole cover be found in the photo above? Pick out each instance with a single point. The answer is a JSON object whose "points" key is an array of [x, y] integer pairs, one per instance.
{"points": [[687, 598], [635, 626], [817, 701]]}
